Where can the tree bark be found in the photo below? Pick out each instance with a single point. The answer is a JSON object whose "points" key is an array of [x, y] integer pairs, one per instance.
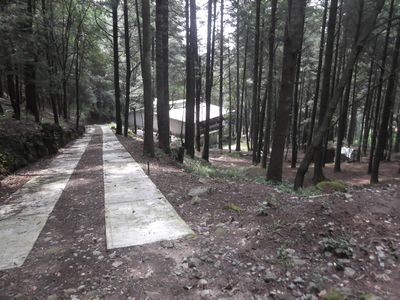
{"points": [[292, 47], [379, 93], [162, 74], [128, 68], [318, 79], [255, 110], [271, 56], [114, 5], [148, 147], [387, 106], [221, 78], [30, 68], [360, 40], [295, 114], [191, 38], [209, 70], [325, 91], [342, 127]]}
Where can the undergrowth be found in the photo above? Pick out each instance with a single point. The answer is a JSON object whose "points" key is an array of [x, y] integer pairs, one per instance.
{"points": [[201, 167]]}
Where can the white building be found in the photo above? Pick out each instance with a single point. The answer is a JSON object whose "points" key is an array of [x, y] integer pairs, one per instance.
{"points": [[177, 118]]}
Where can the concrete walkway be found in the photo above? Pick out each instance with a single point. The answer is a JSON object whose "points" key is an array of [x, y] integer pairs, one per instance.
{"points": [[22, 220], [136, 212]]}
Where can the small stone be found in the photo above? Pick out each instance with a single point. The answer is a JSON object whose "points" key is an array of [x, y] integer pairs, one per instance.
{"points": [[52, 297], [167, 244], [155, 295], [292, 286], [194, 262], [217, 264], [349, 272], [195, 200], [298, 262], [269, 277], [290, 252], [312, 288], [220, 231], [259, 297], [346, 291], [116, 264], [297, 294], [203, 283], [298, 280], [205, 293], [344, 262], [198, 191], [81, 287], [69, 291]]}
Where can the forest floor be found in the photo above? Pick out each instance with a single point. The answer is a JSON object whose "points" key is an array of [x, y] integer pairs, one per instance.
{"points": [[254, 240]]}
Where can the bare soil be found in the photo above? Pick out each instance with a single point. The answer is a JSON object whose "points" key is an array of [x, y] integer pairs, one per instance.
{"points": [[254, 240]]}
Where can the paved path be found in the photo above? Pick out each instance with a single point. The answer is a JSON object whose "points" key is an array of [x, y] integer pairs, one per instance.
{"points": [[136, 212]]}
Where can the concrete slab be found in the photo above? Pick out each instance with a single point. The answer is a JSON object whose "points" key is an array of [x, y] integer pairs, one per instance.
{"points": [[136, 212], [28, 209]]}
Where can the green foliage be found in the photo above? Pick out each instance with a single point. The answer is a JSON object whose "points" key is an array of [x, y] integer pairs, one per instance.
{"points": [[338, 186], [262, 209], [365, 297], [235, 154], [203, 168], [332, 294], [392, 249], [339, 246], [320, 279], [287, 187], [233, 207], [283, 256]]}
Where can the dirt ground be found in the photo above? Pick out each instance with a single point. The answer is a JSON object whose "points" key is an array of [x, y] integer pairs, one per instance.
{"points": [[254, 240]]}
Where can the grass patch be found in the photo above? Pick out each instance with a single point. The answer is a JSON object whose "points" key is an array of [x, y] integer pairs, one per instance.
{"points": [[233, 207], [286, 186], [340, 246], [201, 167], [336, 185], [283, 257]]}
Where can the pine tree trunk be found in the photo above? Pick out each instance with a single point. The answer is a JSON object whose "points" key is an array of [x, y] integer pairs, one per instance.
{"points": [[255, 109], [162, 74], [379, 96], [342, 127], [292, 46], [118, 120], [221, 77], [148, 147], [360, 40], [325, 90], [387, 106], [319, 72], [128, 68], [206, 145], [271, 57], [353, 114]]}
